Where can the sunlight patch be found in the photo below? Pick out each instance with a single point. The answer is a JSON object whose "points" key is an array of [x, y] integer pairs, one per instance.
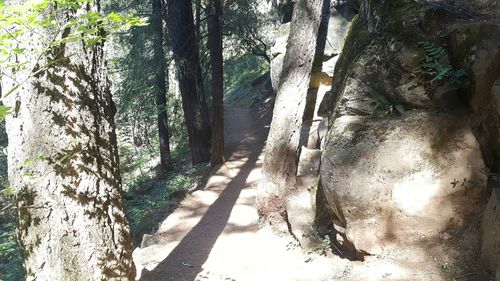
{"points": [[414, 193]]}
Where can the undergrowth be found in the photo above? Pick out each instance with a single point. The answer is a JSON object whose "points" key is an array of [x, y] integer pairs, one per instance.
{"points": [[11, 268], [436, 68], [149, 198], [241, 71]]}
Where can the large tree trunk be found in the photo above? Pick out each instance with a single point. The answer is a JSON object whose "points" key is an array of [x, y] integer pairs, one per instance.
{"points": [[280, 163], [186, 55], [63, 164], [214, 8], [161, 88]]}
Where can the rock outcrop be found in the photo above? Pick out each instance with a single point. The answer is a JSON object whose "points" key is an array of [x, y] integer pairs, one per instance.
{"points": [[388, 179], [412, 112]]}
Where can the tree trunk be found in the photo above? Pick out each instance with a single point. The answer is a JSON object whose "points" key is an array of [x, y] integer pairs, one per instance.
{"points": [[286, 7], [214, 8], [280, 162], [186, 55], [161, 88], [198, 19], [63, 163]]}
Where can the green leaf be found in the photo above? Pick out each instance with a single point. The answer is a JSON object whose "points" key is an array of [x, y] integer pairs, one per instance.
{"points": [[400, 108], [9, 191], [4, 111]]}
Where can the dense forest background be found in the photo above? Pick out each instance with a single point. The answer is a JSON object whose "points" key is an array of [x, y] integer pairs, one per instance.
{"points": [[150, 193]]}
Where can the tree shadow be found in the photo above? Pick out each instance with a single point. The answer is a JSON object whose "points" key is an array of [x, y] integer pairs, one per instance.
{"points": [[185, 261]]}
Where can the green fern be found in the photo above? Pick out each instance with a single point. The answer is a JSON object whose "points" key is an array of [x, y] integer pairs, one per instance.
{"points": [[382, 103], [435, 63], [457, 81], [436, 66]]}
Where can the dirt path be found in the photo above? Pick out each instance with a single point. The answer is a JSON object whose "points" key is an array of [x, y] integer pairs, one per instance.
{"points": [[214, 233]]}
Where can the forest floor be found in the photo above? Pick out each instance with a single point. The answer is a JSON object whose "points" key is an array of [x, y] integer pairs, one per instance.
{"points": [[214, 234]]}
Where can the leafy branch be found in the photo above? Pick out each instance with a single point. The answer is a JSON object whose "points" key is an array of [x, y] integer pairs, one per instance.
{"points": [[52, 24]]}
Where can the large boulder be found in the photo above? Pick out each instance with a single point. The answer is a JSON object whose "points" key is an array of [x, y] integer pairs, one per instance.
{"points": [[476, 47], [387, 179]]}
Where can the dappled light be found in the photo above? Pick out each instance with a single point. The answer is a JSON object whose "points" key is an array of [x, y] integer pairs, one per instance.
{"points": [[216, 211], [252, 140]]}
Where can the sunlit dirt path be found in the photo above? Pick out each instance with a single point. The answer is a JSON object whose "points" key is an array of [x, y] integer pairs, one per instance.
{"points": [[214, 233]]}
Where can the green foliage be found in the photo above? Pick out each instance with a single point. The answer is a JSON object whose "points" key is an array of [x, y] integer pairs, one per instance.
{"points": [[10, 258], [383, 104], [436, 67], [457, 81], [148, 199], [49, 24], [325, 246], [249, 28], [133, 73], [242, 70], [436, 62]]}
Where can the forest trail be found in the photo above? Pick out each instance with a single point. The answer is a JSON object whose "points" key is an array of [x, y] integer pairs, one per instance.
{"points": [[214, 233]]}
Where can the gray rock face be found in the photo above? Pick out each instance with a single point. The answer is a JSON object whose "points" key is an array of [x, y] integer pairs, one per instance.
{"points": [[338, 26], [309, 161], [490, 227], [398, 168], [414, 95], [384, 178]]}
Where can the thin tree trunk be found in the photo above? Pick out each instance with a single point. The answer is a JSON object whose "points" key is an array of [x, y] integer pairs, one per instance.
{"points": [[214, 7], [198, 19], [161, 88], [63, 164], [280, 162], [186, 56]]}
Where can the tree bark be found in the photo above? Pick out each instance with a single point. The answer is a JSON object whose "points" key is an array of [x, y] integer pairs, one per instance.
{"points": [[63, 163], [161, 88], [198, 19], [286, 7], [281, 153], [214, 8], [186, 56]]}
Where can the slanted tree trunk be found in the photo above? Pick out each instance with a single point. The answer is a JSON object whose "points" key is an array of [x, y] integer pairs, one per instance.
{"points": [[161, 88], [63, 163], [186, 56], [280, 163], [214, 8]]}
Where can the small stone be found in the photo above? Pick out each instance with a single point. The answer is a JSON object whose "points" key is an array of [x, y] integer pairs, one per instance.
{"points": [[446, 236]]}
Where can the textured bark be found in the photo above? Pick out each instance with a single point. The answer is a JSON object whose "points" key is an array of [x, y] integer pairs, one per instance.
{"points": [[186, 55], [280, 163], [161, 88], [63, 163], [214, 8]]}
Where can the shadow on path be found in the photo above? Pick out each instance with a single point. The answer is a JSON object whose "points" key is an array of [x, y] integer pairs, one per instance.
{"points": [[187, 258]]}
